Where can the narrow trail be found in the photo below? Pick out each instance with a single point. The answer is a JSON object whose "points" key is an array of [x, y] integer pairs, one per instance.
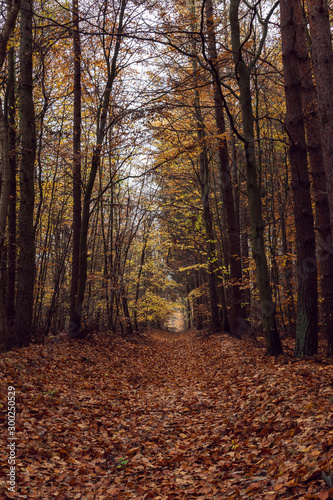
{"points": [[173, 427], [168, 416]]}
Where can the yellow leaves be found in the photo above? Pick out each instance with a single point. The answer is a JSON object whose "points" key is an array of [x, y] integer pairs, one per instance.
{"points": [[234, 445], [154, 307], [193, 267]]}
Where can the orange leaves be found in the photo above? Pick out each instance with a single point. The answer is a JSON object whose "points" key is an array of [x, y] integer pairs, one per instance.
{"points": [[169, 416]]}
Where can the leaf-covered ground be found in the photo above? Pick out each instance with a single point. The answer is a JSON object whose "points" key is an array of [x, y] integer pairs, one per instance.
{"points": [[167, 416]]}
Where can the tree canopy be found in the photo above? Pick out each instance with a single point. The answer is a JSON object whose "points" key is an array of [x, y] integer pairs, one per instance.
{"points": [[159, 157]]}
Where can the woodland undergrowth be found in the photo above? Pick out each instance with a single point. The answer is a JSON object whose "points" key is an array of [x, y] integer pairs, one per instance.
{"points": [[167, 416]]}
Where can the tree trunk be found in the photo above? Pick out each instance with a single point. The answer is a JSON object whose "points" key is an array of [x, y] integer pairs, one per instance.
{"points": [[75, 324], [322, 57], [26, 258], [288, 288], [124, 303], [273, 342], [209, 236], [4, 200], [244, 225], [198, 301], [11, 254], [138, 279], [7, 29], [307, 308], [237, 309], [188, 307], [317, 163], [76, 157]]}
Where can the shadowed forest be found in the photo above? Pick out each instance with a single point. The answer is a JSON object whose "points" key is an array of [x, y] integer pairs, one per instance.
{"points": [[166, 254]]}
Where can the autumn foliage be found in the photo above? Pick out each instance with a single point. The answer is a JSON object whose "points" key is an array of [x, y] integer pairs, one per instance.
{"points": [[168, 416], [166, 249]]}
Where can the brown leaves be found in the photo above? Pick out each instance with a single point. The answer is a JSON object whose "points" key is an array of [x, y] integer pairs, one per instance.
{"points": [[168, 417]]}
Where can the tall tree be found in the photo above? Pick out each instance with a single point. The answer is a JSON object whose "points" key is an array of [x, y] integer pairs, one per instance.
{"points": [[307, 308], [208, 220], [102, 125], [238, 311], [4, 199], [5, 176], [322, 57], [11, 251], [9, 24], [204, 180], [314, 147], [273, 342], [26, 258], [76, 156]]}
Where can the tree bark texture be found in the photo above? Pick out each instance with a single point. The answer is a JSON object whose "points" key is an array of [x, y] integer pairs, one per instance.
{"points": [[6, 32], [11, 252], [319, 185], [307, 297], [322, 60], [4, 199], [26, 257]]}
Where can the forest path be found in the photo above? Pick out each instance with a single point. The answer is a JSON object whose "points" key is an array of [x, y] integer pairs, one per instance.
{"points": [[167, 416]]}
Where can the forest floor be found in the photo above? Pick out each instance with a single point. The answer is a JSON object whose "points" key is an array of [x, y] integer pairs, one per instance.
{"points": [[166, 416]]}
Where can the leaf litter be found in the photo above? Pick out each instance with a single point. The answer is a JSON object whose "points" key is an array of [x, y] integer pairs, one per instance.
{"points": [[167, 416]]}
